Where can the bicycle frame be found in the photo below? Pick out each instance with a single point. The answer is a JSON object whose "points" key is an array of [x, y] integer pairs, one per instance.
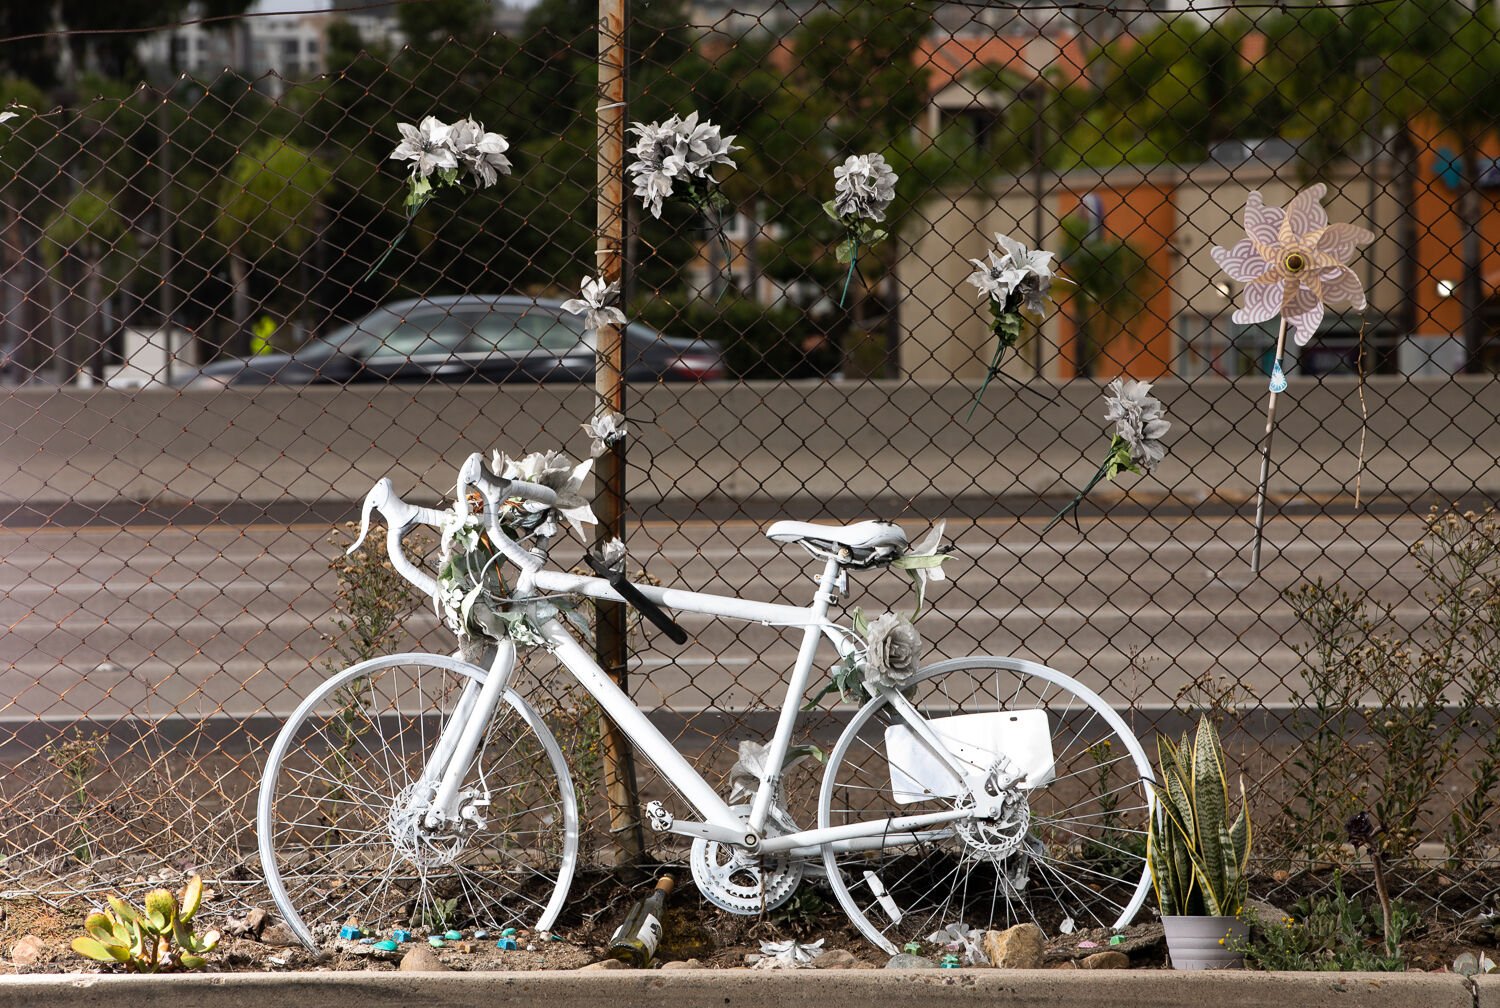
{"points": [[461, 736], [464, 731]]}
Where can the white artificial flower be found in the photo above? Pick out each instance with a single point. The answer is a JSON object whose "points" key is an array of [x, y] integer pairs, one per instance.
{"points": [[556, 471], [7, 116], [965, 942], [611, 555], [997, 278], [604, 430], [671, 150], [538, 467], [1139, 419], [459, 532], [705, 147], [923, 560], [428, 146], [893, 651], [483, 154], [789, 954], [864, 187], [595, 304], [1025, 276]]}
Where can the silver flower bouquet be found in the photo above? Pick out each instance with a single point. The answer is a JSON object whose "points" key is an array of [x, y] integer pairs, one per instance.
{"points": [[1016, 282], [864, 186], [441, 155], [1140, 424], [676, 158]]}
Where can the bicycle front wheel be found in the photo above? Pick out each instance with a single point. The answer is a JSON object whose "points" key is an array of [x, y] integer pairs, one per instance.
{"points": [[341, 826], [1068, 850]]}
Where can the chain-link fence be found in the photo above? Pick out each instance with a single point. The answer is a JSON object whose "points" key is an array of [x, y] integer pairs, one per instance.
{"points": [[219, 325]]}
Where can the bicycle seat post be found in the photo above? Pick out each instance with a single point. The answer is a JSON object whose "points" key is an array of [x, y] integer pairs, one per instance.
{"points": [[796, 690]]}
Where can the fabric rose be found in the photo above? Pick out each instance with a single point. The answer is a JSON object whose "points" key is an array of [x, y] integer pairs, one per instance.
{"points": [[893, 651]]}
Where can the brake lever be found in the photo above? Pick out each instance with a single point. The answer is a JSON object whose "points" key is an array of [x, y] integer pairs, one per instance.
{"points": [[630, 593]]}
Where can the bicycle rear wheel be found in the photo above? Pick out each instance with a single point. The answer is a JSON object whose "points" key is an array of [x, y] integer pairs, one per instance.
{"points": [[340, 826], [1069, 852]]}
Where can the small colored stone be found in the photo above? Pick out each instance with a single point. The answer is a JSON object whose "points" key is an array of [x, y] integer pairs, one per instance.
{"points": [[385, 946], [350, 933], [508, 944], [452, 935], [434, 941], [467, 948], [950, 961], [912, 948], [367, 940], [508, 933], [530, 947], [1116, 939], [481, 933], [400, 936]]}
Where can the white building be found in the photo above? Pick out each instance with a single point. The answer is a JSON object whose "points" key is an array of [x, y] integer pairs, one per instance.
{"points": [[266, 45]]}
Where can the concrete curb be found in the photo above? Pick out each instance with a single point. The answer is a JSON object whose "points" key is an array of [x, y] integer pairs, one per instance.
{"points": [[809, 989]]}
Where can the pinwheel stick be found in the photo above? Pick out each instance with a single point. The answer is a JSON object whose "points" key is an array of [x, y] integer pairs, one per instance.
{"points": [[1265, 460]]}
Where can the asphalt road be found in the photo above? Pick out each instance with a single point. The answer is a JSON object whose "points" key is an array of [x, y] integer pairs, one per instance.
{"points": [[161, 622]]}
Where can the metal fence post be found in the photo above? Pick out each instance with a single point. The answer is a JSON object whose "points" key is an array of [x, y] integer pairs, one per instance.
{"points": [[609, 390]]}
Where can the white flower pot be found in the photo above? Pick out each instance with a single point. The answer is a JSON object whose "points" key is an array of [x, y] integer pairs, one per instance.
{"points": [[1200, 943]]}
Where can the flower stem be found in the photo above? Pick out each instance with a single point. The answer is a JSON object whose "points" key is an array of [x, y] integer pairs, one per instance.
{"points": [[1072, 506], [853, 262], [991, 373], [411, 215]]}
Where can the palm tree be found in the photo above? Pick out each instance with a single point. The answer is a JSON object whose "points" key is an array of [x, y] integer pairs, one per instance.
{"points": [[81, 243], [269, 202]]}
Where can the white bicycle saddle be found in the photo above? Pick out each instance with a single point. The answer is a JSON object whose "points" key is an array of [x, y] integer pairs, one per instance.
{"points": [[859, 536]]}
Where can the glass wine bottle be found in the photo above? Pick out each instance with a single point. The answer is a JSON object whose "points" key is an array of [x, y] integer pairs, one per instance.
{"points": [[636, 940]]}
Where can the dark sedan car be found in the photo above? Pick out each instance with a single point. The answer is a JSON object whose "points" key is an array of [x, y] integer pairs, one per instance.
{"points": [[467, 338]]}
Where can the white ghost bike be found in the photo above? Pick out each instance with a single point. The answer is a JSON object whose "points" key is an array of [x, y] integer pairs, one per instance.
{"points": [[420, 788]]}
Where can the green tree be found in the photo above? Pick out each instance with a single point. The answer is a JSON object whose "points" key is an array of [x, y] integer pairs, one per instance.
{"points": [[269, 203], [1168, 96], [86, 245]]}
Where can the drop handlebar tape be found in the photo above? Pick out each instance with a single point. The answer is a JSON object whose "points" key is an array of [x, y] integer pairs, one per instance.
{"points": [[630, 593]]}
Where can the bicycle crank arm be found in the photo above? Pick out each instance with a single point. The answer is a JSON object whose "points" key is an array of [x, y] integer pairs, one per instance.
{"points": [[662, 821]]}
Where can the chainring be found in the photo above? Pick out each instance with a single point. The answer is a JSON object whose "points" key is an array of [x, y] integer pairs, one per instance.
{"points": [[742, 882]]}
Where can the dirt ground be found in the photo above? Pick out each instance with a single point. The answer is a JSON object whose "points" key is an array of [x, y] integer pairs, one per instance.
{"points": [[36, 936]]}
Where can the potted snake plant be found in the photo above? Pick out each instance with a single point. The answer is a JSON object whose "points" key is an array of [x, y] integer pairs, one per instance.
{"points": [[1199, 857]]}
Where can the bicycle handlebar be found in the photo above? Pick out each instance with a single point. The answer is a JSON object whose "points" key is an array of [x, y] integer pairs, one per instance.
{"points": [[475, 476], [399, 518]]}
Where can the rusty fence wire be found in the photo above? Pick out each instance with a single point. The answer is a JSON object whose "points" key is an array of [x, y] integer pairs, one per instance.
{"points": [[207, 360]]}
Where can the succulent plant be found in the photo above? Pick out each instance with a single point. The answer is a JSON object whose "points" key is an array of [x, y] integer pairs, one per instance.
{"points": [[158, 939], [1198, 858]]}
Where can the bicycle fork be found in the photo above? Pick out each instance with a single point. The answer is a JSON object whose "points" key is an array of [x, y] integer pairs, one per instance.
{"points": [[458, 744]]}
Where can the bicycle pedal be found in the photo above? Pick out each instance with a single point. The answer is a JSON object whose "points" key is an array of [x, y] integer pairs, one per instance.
{"points": [[658, 818]]}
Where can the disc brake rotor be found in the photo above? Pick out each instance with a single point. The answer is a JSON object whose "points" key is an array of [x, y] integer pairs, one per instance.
{"points": [[416, 844], [733, 879], [998, 838]]}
